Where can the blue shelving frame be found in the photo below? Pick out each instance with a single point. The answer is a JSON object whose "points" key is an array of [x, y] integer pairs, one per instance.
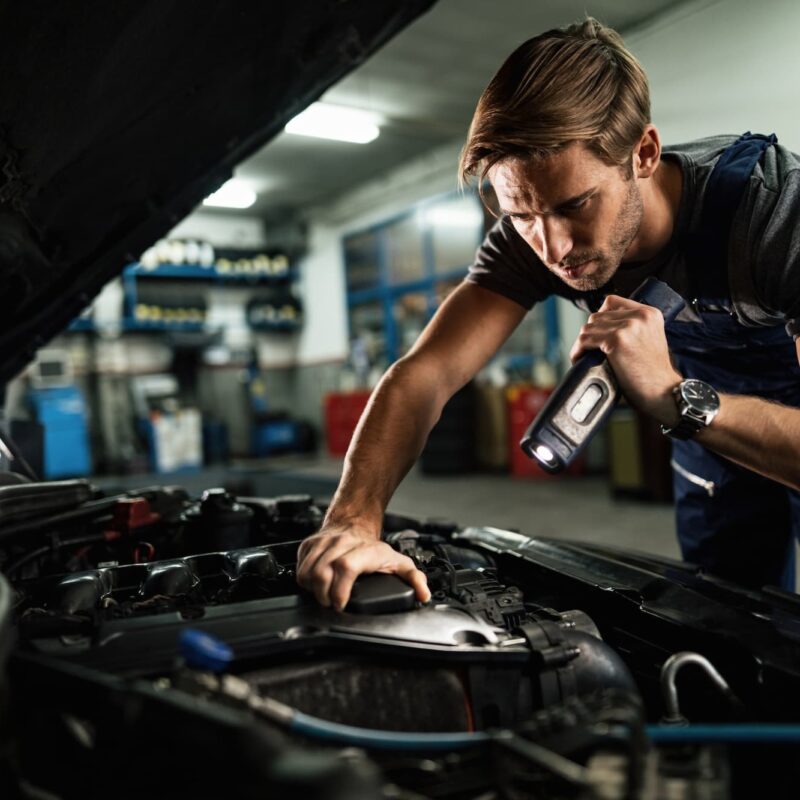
{"points": [[197, 272]]}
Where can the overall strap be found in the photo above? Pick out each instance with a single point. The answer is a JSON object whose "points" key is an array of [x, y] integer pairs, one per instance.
{"points": [[708, 248]]}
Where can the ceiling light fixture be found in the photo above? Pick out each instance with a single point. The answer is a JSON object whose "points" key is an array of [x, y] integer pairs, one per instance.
{"points": [[343, 124], [455, 216], [232, 194]]}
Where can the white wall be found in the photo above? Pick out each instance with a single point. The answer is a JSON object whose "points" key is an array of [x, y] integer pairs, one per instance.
{"points": [[222, 230], [322, 286], [724, 67]]}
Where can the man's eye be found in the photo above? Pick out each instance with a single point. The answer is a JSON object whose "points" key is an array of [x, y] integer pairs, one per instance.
{"points": [[578, 206]]}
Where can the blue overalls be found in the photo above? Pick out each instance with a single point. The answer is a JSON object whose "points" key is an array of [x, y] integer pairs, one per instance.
{"points": [[732, 522]]}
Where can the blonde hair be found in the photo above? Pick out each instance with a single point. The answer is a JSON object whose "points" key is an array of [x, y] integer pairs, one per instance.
{"points": [[574, 84]]}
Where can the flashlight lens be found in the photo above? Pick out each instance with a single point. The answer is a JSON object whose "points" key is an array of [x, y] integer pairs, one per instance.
{"points": [[544, 453]]}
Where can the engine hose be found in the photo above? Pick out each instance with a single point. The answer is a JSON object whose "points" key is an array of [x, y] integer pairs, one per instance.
{"points": [[667, 734], [317, 728], [397, 740], [382, 740]]}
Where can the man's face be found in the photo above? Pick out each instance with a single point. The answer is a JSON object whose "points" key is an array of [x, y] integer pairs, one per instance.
{"points": [[578, 214]]}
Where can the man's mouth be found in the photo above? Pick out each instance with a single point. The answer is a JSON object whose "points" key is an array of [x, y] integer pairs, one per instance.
{"points": [[576, 270]]}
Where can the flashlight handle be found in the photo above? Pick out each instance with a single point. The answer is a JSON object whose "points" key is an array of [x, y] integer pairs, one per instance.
{"points": [[587, 394]]}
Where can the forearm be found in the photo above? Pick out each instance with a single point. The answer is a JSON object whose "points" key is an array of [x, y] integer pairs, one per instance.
{"points": [[761, 435], [388, 440], [758, 434], [468, 327]]}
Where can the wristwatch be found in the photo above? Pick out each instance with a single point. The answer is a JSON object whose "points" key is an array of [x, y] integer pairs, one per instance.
{"points": [[698, 404]]}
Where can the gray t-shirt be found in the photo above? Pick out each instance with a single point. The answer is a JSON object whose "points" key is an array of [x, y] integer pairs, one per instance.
{"points": [[763, 256]]}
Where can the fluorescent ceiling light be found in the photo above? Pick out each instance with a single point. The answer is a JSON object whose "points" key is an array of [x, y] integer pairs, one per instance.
{"points": [[455, 216], [343, 124], [232, 194]]}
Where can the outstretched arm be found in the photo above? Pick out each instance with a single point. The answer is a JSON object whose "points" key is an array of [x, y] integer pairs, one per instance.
{"points": [[464, 334]]}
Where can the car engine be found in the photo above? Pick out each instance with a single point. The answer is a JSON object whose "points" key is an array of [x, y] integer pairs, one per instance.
{"points": [[158, 644]]}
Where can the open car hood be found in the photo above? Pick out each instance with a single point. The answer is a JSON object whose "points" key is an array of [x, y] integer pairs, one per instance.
{"points": [[117, 119]]}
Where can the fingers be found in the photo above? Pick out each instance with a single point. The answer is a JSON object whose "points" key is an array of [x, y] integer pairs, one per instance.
{"points": [[417, 579], [329, 563], [618, 322], [314, 557], [307, 554], [633, 337], [373, 557], [321, 573], [614, 301], [636, 312], [578, 348]]}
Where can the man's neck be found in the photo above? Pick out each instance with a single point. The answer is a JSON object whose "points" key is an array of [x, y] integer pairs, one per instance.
{"points": [[661, 197]]}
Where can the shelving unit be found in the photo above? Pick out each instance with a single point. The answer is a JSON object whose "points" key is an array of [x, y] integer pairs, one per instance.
{"points": [[196, 273]]}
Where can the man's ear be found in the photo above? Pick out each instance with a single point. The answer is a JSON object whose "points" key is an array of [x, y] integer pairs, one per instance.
{"points": [[647, 152]]}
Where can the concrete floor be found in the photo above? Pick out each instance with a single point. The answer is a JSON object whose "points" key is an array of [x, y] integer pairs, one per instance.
{"points": [[570, 508], [567, 508]]}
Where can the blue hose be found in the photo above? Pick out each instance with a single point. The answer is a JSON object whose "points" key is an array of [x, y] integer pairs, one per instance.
{"points": [[401, 740], [382, 740], [664, 734]]}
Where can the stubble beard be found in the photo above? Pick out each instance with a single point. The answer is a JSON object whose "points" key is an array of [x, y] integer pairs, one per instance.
{"points": [[607, 262]]}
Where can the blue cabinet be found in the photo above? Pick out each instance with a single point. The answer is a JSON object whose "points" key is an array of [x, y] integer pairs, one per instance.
{"points": [[62, 413]]}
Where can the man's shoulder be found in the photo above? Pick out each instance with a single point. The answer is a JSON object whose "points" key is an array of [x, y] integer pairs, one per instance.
{"points": [[702, 155], [701, 152]]}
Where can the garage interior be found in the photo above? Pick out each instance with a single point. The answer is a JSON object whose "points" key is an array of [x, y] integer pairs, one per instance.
{"points": [[183, 430], [242, 346]]}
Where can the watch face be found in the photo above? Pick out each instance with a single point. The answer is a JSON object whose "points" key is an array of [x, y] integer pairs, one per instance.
{"points": [[700, 396]]}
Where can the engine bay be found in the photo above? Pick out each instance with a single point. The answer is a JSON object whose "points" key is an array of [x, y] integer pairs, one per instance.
{"points": [[156, 640]]}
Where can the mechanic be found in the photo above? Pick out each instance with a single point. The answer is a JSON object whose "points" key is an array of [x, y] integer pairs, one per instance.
{"points": [[591, 206]]}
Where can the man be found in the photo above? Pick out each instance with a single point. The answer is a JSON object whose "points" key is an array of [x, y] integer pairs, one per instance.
{"points": [[590, 207]]}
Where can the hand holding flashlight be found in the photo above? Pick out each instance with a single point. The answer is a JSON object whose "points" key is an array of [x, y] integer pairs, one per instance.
{"points": [[581, 403]]}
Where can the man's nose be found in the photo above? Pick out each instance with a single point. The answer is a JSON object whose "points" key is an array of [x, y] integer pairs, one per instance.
{"points": [[555, 240]]}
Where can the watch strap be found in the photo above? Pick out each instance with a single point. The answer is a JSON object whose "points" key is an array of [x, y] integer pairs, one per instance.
{"points": [[686, 428]]}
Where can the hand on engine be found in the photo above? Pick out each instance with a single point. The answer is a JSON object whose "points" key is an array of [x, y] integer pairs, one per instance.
{"points": [[329, 562], [632, 337]]}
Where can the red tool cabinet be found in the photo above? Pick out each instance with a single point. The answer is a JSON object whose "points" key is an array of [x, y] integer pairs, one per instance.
{"points": [[342, 412]]}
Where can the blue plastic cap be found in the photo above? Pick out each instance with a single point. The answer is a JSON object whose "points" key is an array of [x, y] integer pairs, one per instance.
{"points": [[204, 652]]}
